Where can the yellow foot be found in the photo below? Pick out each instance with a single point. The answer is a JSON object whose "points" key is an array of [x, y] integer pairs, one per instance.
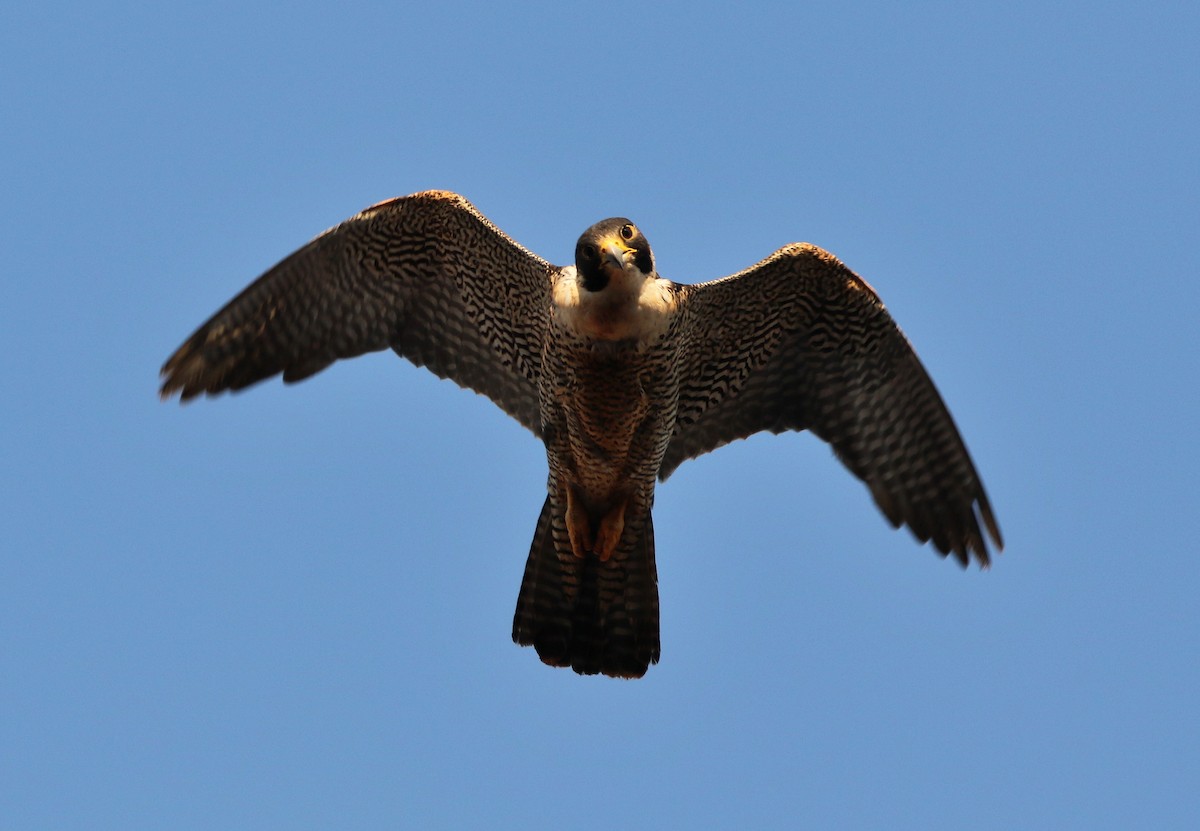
{"points": [[608, 536], [579, 528]]}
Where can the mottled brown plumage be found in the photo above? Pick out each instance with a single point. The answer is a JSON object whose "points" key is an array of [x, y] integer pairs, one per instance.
{"points": [[624, 376]]}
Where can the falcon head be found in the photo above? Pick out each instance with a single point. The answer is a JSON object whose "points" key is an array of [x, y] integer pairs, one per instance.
{"points": [[613, 250]]}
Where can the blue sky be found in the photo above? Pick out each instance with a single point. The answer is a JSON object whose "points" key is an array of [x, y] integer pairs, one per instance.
{"points": [[291, 608]]}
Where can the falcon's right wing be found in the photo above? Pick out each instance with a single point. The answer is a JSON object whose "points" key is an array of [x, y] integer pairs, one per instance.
{"points": [[798, 342]]}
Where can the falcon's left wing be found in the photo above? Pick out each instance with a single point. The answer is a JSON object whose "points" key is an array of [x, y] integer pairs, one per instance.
{"points": [[427, 275], [799, 341]]}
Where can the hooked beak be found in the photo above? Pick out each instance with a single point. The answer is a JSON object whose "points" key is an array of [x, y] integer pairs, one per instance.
{"points": [[614, 253]]}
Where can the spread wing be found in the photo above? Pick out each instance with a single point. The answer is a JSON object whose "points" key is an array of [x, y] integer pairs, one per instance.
{"points": [[799, 341], [427, 275]]}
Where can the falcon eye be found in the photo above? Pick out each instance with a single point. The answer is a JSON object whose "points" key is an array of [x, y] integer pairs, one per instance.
{"points": [[590, 252], [627, 232]]}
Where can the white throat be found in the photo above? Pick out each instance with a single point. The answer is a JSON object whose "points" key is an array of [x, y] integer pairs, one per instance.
{"points": [[632, 306]]}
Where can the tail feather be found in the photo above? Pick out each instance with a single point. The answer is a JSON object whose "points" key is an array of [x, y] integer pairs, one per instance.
{"points": [[593, 616]]}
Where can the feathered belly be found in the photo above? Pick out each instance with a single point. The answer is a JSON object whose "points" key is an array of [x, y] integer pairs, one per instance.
{"points": [[604, 425], [613, 418]]}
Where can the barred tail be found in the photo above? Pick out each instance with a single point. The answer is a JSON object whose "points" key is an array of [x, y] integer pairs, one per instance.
{"points": [[593, 616]]}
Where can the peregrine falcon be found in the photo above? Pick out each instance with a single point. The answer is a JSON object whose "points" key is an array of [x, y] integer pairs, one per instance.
{"points": [[623, 374]]}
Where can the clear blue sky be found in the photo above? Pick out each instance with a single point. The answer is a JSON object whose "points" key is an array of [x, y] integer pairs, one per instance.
{"points": [[291, 608]]}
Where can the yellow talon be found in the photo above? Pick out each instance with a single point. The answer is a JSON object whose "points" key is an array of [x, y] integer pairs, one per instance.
{"points": [[579, 527], [608, 537]]}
